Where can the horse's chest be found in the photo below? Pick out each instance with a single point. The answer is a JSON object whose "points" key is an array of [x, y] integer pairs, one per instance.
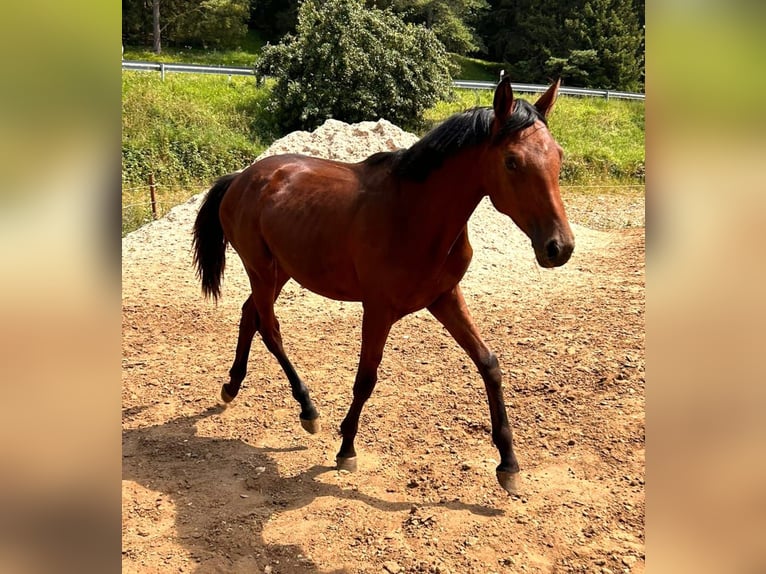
{"points": [[423, 284]]}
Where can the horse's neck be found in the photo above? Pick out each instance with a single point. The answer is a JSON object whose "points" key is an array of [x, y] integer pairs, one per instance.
{"points": [[448, 197]]}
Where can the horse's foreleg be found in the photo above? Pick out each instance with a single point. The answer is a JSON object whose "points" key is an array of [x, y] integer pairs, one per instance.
{"points": [[451, 311], [248, 325], [375, 328]]}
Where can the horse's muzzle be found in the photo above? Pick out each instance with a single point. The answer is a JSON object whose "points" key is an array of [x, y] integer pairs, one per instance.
{"points": [[555, 252]]}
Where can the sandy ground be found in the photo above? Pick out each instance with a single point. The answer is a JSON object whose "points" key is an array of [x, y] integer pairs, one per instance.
{"points": [[246, 490]]}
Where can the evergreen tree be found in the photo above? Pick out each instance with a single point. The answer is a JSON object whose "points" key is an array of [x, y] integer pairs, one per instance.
{"points": [[273, 18], [453, 21], [199, 23], [590, 43]]}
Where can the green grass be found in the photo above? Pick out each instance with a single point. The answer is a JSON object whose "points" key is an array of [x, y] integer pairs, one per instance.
{"points": [[186, 131], [603, 140], [475, 69], [242, 57], [192, 128]]}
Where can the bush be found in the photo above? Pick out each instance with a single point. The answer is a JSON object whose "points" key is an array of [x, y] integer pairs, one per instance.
{"points": [[353, 64], [220, 23]]}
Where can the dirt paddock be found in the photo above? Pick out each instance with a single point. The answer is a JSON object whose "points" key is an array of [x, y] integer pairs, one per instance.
{"points": [[244, 489]]}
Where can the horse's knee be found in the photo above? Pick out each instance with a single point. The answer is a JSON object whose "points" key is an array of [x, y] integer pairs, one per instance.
{"points": [[489, 367], [489, 361], [272, 339], [363, 387]]}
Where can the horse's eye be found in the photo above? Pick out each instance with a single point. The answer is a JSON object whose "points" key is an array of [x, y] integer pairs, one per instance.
{"points": [[510, 162]]}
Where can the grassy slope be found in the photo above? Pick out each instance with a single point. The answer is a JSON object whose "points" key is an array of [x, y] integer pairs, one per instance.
{"points": [[243, 57], [475, 69], [186, 131]]}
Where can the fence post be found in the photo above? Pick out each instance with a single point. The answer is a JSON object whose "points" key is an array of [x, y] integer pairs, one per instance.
{"points": [[162, 71], [153, 196]]}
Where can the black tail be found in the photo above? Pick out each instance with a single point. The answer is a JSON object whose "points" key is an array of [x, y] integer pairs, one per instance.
{"points": [[209, 242]]}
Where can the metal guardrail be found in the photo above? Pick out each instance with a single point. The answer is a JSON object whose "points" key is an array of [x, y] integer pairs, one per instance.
{"points": [[162, 67], [188, 68], [534, 88]]}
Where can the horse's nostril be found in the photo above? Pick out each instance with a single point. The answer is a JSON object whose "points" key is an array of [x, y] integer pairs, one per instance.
{"points": [[552, 249]]}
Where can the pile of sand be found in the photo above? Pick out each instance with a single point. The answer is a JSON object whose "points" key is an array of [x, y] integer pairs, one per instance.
{"points": [[344, 142]]}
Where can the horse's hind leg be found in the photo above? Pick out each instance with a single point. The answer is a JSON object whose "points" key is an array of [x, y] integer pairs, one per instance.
{"points": [[265, 291], [248, 325]]}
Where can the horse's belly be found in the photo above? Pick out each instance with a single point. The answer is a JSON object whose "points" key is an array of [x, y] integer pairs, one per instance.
{"points": [[323, 274], [339, 290], [312, 247]]}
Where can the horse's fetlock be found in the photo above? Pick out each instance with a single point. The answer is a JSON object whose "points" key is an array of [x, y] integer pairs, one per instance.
{"points": [[237, 374], [309, 412]]}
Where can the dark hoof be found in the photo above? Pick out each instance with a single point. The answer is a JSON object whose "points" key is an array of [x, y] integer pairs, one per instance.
{"points": [[311, 426], [509, 481], [226, 397], [344, 463]]}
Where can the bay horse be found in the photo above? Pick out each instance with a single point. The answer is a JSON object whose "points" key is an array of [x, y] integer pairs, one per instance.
{"points": [[391, 233]]}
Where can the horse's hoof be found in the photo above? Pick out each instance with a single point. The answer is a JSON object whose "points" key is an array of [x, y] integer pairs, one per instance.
{"points": [[509, 481], [226, 397], [311, 426], [344, 463]]}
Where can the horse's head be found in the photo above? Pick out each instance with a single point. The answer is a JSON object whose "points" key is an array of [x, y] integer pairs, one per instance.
{"points": [[523, 177]]}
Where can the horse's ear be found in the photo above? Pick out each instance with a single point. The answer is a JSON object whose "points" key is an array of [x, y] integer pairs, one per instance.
{"points": [[503, 101], [545, 104]]}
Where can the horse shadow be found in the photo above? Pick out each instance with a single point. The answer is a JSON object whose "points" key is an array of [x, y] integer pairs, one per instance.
{"points": [[220, 513]]}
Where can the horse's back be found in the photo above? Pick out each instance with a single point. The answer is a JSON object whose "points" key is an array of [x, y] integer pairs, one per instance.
{"points": [[300, 211]]}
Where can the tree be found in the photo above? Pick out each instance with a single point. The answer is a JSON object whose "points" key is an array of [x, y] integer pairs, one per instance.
{"points": [[219, 23], [156, 30], [214, 23], [353, 64], [137, 25], [273, 18], [591, 43], [451, 20], [610, 30]]}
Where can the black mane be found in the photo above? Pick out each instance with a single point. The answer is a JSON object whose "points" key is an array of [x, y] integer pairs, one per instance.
{"points": [[458, 132]]}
